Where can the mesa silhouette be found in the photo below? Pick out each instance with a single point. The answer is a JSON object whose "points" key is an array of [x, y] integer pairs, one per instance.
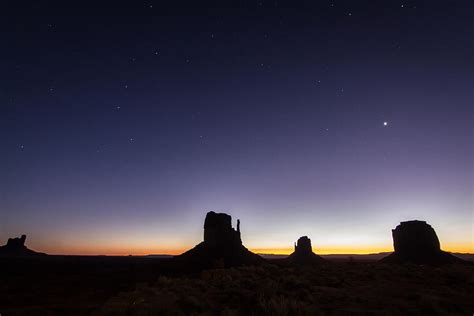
{"points": [[15, 247], [222, 246], [416, 242]]}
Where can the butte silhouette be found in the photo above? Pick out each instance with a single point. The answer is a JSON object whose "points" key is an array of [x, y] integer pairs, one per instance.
{"points": [[222, 246], [416, 242], [303, 254], [15, 247]]}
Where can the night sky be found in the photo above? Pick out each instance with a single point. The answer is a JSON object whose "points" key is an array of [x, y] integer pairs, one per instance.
{"points": [[122, 125]]}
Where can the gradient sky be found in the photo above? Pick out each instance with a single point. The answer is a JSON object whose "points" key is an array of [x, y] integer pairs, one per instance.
{"points": [[123, 125]]}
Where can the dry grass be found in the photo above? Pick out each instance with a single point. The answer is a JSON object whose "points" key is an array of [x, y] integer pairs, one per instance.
{"points": [[355, 288]]}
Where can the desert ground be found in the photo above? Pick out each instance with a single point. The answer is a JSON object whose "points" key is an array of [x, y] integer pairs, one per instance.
{"points": [[71, 285]]}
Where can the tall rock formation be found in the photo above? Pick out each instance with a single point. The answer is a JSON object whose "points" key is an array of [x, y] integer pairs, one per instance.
{"points": [[222, 246], [218, 231], [416, 242], [303, 253], [15, 247]]}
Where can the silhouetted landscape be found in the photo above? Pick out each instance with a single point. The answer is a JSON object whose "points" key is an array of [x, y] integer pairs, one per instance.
{"points": [[242, 157], [221, 277]]}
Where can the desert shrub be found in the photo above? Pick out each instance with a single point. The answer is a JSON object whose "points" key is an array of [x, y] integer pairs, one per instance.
{"points": [[283, 306], [273, 290]]}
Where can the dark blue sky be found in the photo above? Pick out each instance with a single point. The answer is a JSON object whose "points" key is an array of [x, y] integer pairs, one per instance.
{"points": [[123, 124]]}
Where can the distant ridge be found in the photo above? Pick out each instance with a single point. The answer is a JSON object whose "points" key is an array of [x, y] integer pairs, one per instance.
{"points": [[361, 257], [345, 256], [159, 256]]}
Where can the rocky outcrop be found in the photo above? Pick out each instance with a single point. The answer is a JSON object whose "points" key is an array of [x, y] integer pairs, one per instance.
{"points": [[218, 231], [222, 246], [17, 243], [416, 242], [303, 253], [303, 245], [15, 247]]}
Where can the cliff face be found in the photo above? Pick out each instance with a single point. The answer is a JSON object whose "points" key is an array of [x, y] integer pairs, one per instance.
{"points": [[303, 253], [222, 246], [416, 242], [303, 245], [412, 237], [218, 231], [16, 243]]}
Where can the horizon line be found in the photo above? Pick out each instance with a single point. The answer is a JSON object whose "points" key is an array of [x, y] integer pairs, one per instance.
{"points": [[260, 251]]}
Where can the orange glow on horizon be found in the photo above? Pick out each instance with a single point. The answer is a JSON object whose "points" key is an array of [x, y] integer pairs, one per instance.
{"points": [[324, 251], [460, 248], [103, 251]]}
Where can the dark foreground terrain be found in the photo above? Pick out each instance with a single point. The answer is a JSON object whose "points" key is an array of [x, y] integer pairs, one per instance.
{"points": [[149, 286]]}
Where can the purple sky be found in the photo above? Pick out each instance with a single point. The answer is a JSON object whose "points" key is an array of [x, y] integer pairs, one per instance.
{"points": [[123, 126]]}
